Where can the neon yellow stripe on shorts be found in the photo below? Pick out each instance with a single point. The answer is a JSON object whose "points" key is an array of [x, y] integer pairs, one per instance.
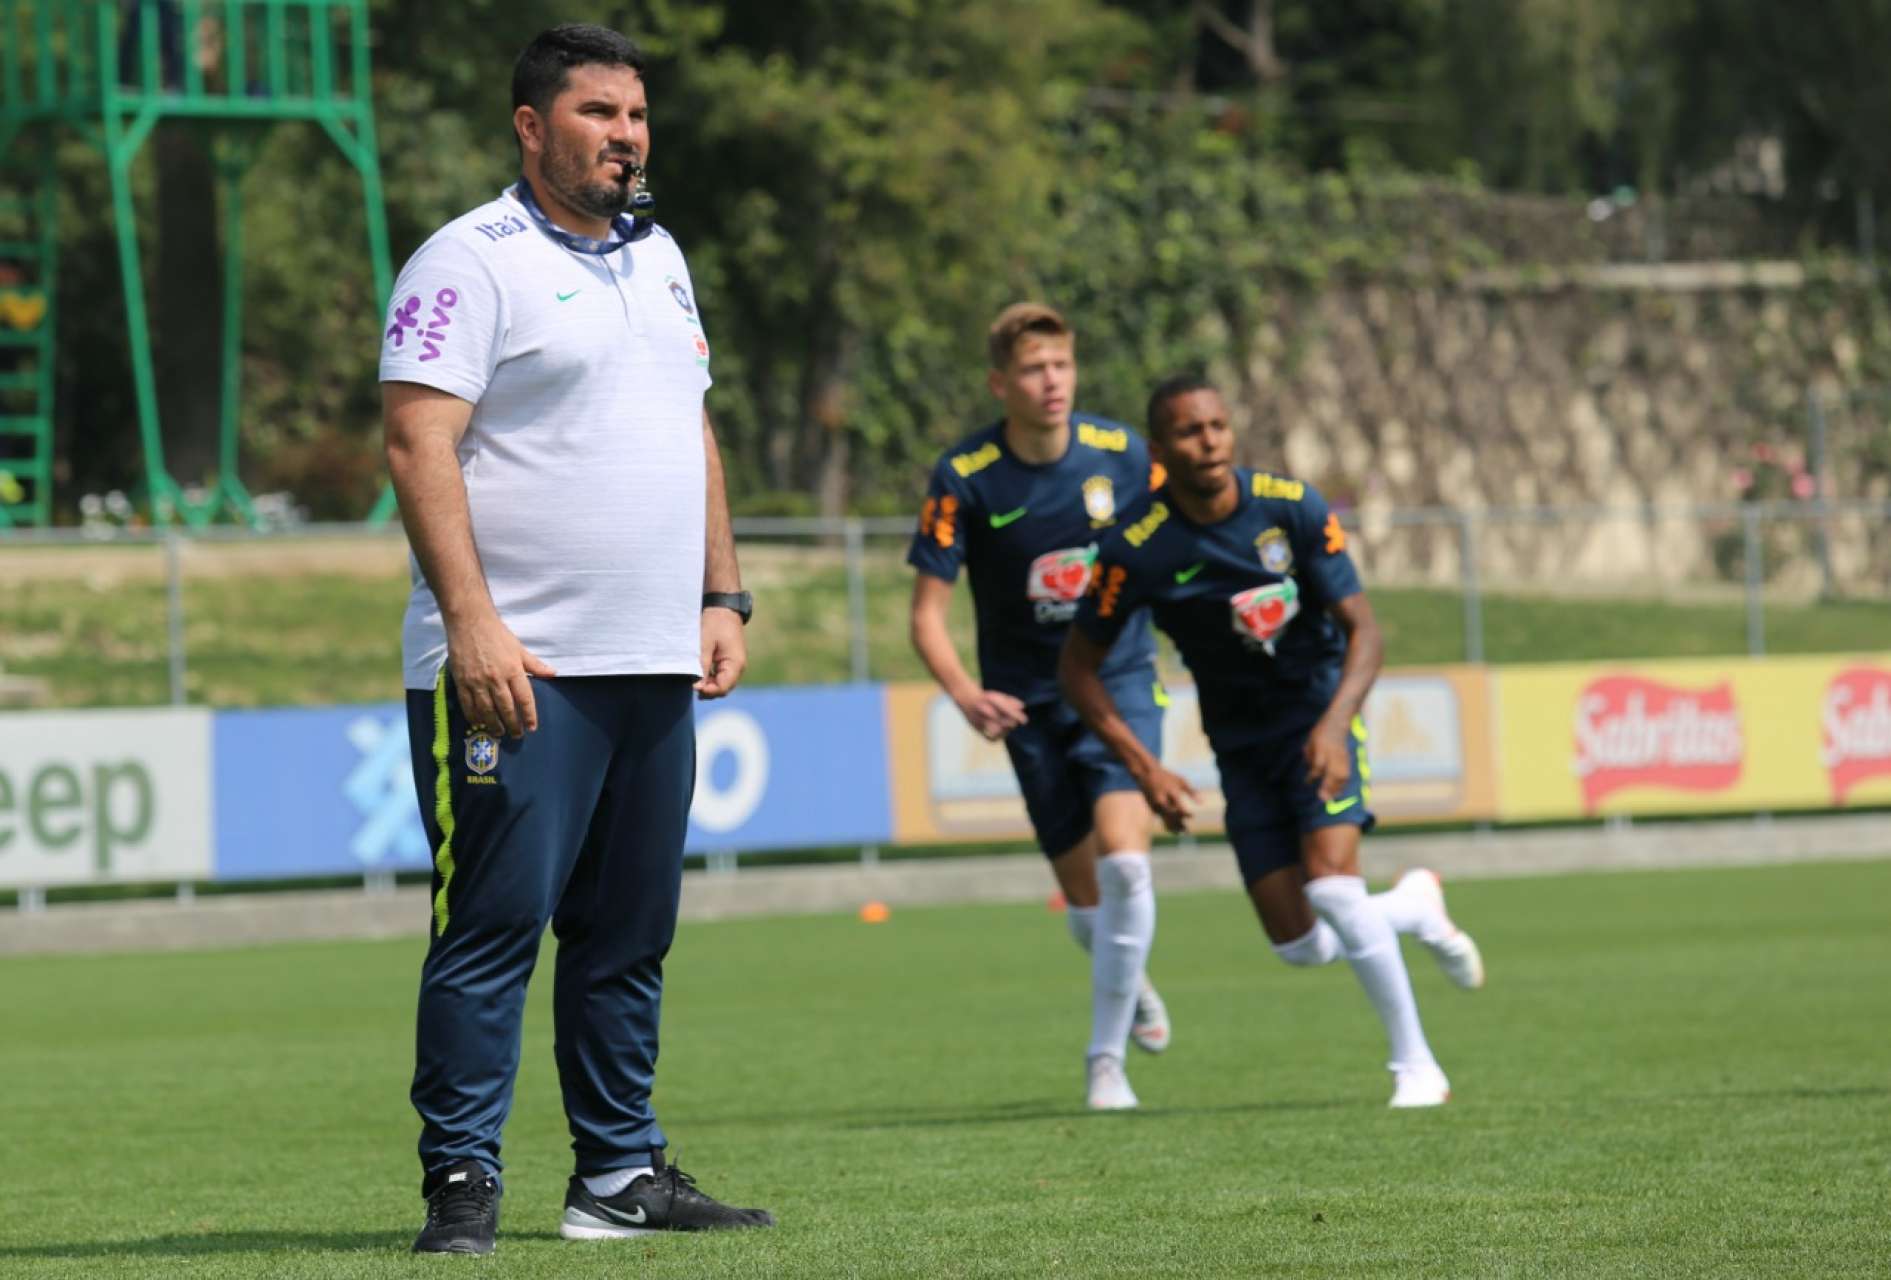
{"points": [[1365, 765], [442, 805]]}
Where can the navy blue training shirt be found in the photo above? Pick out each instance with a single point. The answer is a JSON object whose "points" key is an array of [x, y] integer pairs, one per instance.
{"points": [[1245, 601], [1027, 536]]}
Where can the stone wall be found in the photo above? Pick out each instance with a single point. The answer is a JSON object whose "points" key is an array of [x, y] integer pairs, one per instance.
{"points": [[1603, 386]]}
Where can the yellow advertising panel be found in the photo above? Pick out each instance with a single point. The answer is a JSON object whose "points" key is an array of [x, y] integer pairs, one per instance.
{"points": [[1706, 736], [1428, 743], [948, 782], [1428, 738]]}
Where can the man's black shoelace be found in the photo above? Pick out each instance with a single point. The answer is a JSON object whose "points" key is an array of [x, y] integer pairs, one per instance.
{"points": [[681, 1183], [457, 1203]]}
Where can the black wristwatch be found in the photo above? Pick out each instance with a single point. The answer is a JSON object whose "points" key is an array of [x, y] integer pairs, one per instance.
{"points": [[740, 601]]}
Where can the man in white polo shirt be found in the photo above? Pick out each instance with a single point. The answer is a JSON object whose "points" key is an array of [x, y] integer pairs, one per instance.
{"points": [[543, 372]]}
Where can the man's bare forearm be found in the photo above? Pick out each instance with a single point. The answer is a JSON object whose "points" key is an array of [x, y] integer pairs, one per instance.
{"points": [[721, 572], [1365, 656], [933, 641], [439, 524], [1077, 672]]}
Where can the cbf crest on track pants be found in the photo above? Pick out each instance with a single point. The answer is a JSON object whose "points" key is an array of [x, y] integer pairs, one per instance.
{"points": [[579, 824]]}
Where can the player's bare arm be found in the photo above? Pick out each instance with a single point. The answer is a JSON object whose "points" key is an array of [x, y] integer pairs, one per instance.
{"points": [[725, 649], [990, 713], [1329, 760], [1078, 668], [489, 666]]}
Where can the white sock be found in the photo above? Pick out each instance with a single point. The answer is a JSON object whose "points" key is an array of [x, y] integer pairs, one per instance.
{"points": [[1317, 946], [1125, 926], [1410, 913], [1372, 948], [1083, 925], [606, 1185]]}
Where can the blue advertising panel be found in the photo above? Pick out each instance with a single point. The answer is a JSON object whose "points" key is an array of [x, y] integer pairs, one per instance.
{"points": [[782, 768], [321, 791], [330, 791]]}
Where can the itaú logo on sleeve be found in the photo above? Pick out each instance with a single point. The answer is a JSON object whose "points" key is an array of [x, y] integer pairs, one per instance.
{"points": [[1857, 723], [1632, 732], [1057, 582]]}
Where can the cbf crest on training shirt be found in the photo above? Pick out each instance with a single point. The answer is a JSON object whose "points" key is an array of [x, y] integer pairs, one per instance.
{"points": [[583, 459], [1027, 533], [1245, 601]]}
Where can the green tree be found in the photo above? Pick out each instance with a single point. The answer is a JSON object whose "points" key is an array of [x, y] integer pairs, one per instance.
{"points": [[860, 184], [857, 186], [1816, 83]]}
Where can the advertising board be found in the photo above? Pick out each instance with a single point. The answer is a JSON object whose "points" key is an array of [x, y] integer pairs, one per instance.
{"points": [[1428, 744], [330, 790], [100, 797], [1698, 736]]}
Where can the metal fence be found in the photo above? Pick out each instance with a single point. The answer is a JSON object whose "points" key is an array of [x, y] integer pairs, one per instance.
{"points": [[311, 615], [1765, 558]]}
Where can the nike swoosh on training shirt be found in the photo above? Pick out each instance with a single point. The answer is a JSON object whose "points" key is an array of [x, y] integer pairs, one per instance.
{"points": [[567, 297], [1183, 575], [1000, 521], [1341, 806]]}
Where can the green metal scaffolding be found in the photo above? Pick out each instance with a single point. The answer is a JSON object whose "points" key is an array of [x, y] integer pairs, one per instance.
{"points": [[111, 71]]}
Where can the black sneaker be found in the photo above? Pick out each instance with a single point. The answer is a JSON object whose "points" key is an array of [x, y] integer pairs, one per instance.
{"points": [[665, 1199], [462, 1211]]}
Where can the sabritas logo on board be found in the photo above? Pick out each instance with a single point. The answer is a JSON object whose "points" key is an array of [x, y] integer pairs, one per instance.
{"points": [[1632, 732], [1857, 722]]}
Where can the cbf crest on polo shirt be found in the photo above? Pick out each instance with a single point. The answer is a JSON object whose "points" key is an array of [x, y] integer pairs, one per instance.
{"points": [[583, 457]]}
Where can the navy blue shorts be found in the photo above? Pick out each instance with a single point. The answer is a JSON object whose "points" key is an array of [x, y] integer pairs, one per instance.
{"points": [[1271, 804], [1062, 767]]}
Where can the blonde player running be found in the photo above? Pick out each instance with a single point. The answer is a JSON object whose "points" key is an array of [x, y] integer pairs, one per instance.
{"points": [[1020, 505]]}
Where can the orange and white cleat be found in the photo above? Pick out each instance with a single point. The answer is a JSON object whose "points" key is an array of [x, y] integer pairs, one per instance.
{"points": [[1150, 1031], [1106, 1086], [1454, 949], [1421, 1086]]}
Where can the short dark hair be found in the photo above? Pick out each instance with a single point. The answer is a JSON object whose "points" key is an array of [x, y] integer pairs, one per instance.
{"points": [[545, 65], [1167, 390]]}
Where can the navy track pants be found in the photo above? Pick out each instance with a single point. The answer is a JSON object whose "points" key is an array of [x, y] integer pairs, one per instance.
{"points": [[579, 824]]}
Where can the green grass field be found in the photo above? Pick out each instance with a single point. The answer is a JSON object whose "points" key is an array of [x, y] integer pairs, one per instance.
{"points": [[322, 638], [1669, 1075]]}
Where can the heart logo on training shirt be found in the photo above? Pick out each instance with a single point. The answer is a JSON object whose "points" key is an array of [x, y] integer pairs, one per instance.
{"points": [[1061, 576], [1262, 613], [1067, 580]]}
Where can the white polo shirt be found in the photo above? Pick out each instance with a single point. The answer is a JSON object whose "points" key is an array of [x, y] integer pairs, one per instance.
{"points": [[583, 460]]}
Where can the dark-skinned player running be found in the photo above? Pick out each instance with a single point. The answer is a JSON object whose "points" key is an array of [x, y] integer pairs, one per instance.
{"points": [[1248, 574]]}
